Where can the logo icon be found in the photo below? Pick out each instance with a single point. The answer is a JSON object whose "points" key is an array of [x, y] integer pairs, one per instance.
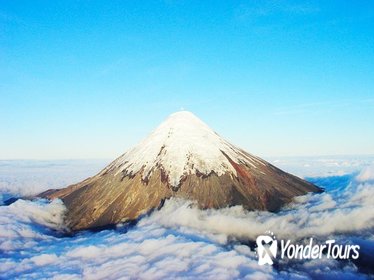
{"points": [[267, 247]]}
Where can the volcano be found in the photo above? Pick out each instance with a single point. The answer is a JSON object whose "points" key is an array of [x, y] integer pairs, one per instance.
{"points": [[182, 158]]}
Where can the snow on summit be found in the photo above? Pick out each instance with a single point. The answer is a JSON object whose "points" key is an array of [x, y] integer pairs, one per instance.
{"points": [[182, 145]]}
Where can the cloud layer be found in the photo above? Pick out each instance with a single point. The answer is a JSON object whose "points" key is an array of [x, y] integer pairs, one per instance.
{"points": [[367, 174], [30, 177], [181, 241]]}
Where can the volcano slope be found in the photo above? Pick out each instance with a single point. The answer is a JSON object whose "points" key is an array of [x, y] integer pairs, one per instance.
{"points": [[182, 158]]}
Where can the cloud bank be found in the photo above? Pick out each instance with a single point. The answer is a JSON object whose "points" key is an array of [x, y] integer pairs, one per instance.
{"points": [[367, 174], [181, 241], [30, 177]]}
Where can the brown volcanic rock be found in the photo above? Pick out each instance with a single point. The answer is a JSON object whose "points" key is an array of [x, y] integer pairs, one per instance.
{"points": [[207, 169]]}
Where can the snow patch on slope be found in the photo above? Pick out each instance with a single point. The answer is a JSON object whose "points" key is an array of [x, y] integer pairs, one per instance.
{"points": [[183, 145]]}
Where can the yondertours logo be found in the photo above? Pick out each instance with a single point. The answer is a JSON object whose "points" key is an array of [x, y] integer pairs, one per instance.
{"points": [[268, 245]]}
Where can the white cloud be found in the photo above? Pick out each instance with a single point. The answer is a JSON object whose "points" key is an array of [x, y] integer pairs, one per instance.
{"points": [[44, 259], [181, 241], [318, 216], [322, 166], [367, 174], [30, 177]]}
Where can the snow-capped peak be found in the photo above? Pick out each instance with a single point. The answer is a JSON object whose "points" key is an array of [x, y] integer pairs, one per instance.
{"points": [[182, 145]]}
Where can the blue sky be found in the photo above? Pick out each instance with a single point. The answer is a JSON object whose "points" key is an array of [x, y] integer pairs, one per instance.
{"points": [[89, 79]]}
